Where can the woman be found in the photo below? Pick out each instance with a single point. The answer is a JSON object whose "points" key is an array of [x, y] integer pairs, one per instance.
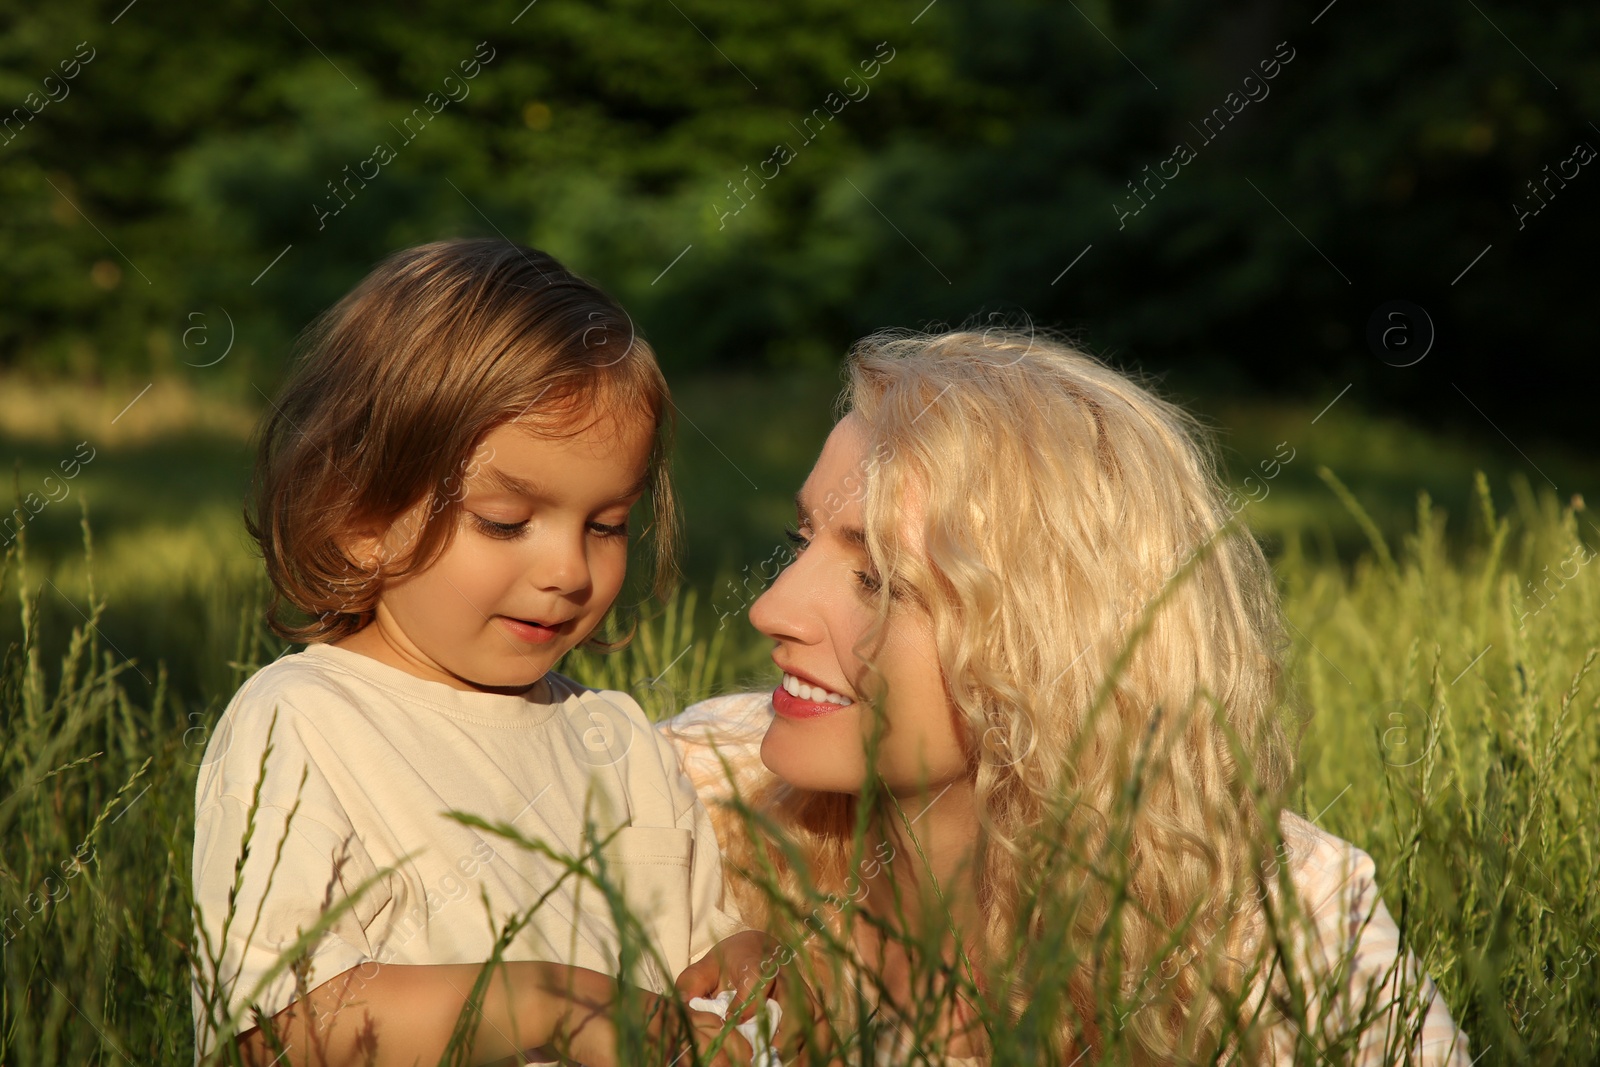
{"points": [[1032, 715]]}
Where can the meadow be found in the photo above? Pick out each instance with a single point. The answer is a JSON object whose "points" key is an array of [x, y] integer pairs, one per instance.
{"points": [[1446, 625]]}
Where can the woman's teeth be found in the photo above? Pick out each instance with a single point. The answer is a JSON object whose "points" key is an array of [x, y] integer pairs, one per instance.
{"points": [[796, 688]]}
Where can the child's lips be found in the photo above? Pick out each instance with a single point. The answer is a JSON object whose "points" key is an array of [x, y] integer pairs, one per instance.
{"points": [[531, 631]]}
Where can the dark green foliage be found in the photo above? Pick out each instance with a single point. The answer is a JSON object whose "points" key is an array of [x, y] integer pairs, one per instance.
{"points": [[990, 148]]}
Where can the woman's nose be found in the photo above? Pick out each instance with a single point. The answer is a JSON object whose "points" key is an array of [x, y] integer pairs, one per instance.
{"points": [[783, 612]]}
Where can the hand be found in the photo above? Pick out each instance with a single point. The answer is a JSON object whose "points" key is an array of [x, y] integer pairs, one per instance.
{"points": [[588, 1026], [756, 967], [674, 1028], [747, 962]]}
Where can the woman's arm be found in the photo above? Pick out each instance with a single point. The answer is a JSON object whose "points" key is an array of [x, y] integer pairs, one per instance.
{"points": [[407, 1015]]}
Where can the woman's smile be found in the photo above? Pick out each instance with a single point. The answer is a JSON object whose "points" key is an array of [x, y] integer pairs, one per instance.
{"points": [[799, 698]]}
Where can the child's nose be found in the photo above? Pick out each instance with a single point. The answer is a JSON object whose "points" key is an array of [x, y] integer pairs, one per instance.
{"points": [[561, 564]]}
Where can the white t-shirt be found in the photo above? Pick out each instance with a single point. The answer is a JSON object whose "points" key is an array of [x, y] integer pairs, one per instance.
{"points": [[1335, 880], [385, 756]]}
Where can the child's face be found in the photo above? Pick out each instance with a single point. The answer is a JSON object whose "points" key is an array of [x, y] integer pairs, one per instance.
{"points": [[819, 611], [538, 557]]}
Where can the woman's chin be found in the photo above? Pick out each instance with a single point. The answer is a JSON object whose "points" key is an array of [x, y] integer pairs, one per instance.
{"points": [[809, 762]]}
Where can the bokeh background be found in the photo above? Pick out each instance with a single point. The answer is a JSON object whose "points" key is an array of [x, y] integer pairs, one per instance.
{"points": [[186, 185], [762, 184], [1359, 234]]}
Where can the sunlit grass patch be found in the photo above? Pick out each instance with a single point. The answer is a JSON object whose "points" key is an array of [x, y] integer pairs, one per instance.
{"points": [[1451, 738]]}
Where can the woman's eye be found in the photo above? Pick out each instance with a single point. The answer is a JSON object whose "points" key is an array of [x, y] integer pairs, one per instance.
{"points": [[869, 582], [502, 530], [797, 539]]}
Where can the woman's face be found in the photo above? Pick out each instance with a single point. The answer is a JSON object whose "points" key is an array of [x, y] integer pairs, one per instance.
{"points": [[819, 612]]}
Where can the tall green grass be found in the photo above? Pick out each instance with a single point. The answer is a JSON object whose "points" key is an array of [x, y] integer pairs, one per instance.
{"points": [[1453, 738]]}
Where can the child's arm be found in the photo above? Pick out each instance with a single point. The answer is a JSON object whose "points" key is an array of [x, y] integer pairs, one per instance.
{"points": [[408, 1014]]}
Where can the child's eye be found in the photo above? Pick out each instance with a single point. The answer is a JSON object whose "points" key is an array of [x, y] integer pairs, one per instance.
{"points": [[604, 530], [796, 538], [505, 531]]}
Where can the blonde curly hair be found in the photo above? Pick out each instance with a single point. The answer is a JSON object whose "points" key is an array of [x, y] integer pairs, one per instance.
{"points": [[1112, 646]]}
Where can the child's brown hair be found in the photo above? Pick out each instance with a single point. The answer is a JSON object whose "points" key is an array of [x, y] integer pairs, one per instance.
{"points": [[395, 386]]}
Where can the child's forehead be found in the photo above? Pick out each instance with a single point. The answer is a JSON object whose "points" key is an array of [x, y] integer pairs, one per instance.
{"points": [[611, 450], [587, 412], [588, 425]]}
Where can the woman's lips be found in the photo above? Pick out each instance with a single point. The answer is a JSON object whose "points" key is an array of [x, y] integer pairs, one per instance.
{"points": [[793, 706], [533, 633]]}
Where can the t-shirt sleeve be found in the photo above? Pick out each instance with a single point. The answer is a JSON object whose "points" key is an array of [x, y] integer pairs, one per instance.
{"points": [[295, 872], [1377, 993], [710, 921], [718, 747], [680, 741]]}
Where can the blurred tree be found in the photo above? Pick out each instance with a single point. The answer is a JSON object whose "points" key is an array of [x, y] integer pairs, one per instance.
{"points": [[196, 161]]}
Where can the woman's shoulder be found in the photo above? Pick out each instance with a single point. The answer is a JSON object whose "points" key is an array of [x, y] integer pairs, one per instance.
{"points": [[733, 724], [1355, 935], [1322, 864], [730, 716], [1340, 890], [1316, 848], [719, 735]]}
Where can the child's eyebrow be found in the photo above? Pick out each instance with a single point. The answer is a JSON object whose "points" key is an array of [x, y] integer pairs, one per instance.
{"points": [[509, 483], [496, 479]]}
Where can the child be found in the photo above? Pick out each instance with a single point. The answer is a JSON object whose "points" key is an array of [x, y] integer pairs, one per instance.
{"points": [[444, 490]]}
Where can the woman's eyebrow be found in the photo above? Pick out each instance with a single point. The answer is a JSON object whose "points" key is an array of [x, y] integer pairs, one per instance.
{"points": [[852, 535]]}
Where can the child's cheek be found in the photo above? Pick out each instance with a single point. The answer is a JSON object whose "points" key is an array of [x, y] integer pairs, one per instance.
{"points": [[611, 567]]}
